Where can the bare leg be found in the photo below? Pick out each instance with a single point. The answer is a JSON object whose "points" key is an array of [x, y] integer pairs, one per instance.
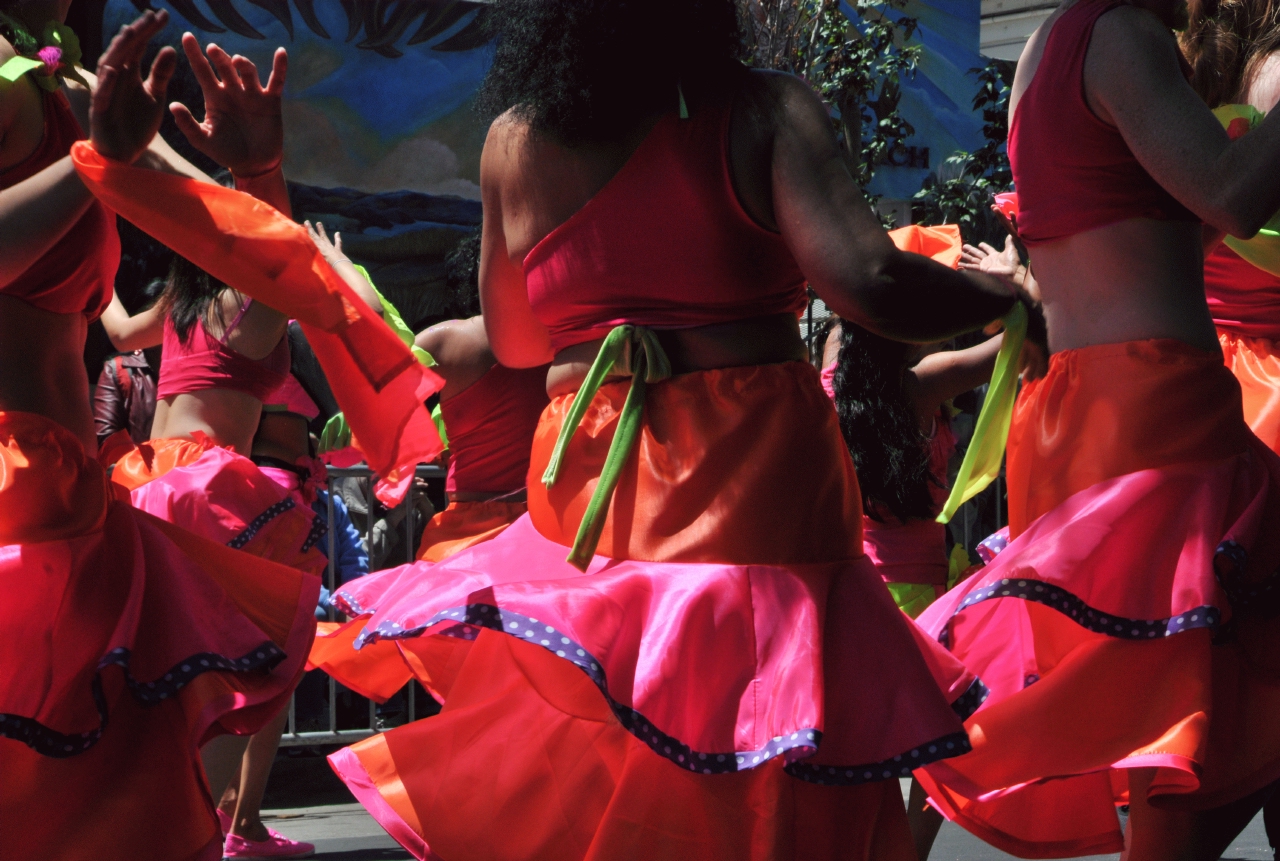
{"points": [[232, 793], [255, 770], [1182, 835], [924, 821], [221, 760]]}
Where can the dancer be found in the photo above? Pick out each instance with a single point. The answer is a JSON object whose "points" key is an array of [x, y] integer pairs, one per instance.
{"points": [[1125, 632], [137, 642], [491, 412], [673, 696]]}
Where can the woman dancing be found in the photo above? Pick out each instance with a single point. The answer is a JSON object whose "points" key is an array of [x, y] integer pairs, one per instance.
{"points": [[491, 412], [130, 643], [1128, 631], [650, 236]]}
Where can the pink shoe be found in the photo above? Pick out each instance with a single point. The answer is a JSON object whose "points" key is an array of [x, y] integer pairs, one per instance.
{"points": [[276, 846]]}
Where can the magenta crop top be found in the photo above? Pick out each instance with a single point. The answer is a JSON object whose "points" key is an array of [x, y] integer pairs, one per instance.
{"points": [[1074, 172], [205, 362], [665, 244]]}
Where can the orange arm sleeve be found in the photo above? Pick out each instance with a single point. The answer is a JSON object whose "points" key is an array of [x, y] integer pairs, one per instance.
{"points": [[249, 245]]}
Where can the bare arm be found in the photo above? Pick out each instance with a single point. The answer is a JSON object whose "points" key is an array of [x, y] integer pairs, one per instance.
{"points": [[341, 263], [1134, 81], [461, 350], [142, 330], [942, 376], [841, 247], [517, 337]]}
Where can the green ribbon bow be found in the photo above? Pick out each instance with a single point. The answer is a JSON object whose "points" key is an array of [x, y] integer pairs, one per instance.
{"points": [[981, 462], [35, 55], [631, 350]]}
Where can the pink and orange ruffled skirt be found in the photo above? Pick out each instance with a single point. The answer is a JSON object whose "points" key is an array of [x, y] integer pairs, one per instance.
{"points": [[1130, 622], [128, 644], [728, 679]]}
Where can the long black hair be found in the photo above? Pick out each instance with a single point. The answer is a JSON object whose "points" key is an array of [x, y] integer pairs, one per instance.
{"points": [[880, 425], [583, 70], [190, 293]]}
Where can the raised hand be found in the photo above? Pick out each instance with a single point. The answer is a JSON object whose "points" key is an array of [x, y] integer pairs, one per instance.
{"points": [[242, 128], [985, 258], [125, 112], [330, 251]]}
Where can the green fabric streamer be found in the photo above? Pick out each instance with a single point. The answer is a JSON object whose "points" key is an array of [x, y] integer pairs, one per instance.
{"points": [[982, 461], [913, 598], [19, 66], [629, 349]]}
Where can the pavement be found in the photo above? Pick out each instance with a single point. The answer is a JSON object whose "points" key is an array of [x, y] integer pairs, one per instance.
{"points": [[343, 831]]}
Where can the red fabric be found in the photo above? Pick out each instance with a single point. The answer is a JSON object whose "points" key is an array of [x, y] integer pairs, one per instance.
{"points": [[491, 424], [243, 242], [106, 608], [1126, 625], [205, 362], [290, 397], [1255, 363], [77, 273], [1243, 299], [1073, 171], [665, 243]]}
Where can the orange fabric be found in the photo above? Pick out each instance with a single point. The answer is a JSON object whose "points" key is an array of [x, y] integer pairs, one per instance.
{"points": [[1255, 362], [942, 243], [152, 459], [49, 488], [1056, 755], [376, 671], [465, 524], [1113, 409], [576, 785], [714, 447], [102, 572], [246, 243]]}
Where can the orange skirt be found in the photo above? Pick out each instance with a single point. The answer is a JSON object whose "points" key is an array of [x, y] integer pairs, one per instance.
{"points": [[704, 690], [466, 524], [1256, 365], [128, 644], [1128, 623]]}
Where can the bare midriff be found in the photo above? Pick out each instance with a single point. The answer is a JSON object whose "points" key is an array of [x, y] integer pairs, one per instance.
{"points": [[227, 417], [42, 367], [1134, 280], [755, 341]]}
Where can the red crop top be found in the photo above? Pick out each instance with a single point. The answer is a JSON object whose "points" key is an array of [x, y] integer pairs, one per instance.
{"points": [[1074, 172], [665, 244], [491, 424], [205, 362], [1243, 299], [77, 273]]}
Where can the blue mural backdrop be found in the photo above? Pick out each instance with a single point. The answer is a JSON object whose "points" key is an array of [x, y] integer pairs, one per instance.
{"points": [[378, 94], [938, 101]]}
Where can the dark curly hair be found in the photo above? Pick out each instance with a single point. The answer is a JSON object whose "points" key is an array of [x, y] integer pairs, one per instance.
{"points": [[880, 426], [1226, 42], [462, 277], [583, 70]]}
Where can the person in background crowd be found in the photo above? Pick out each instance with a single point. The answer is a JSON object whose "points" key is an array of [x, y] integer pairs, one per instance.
{"points": [[651, 237], [137, 642], [1126, 631], [125, 397]]}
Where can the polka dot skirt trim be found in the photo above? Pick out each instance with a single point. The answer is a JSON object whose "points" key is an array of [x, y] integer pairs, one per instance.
{"points": [[260, 521], [52, 743], [969, 701], [319, 529], [467, 622], [899, 766]]}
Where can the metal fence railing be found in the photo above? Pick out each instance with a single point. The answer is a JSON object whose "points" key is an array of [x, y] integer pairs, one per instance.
{"points": [[340, 706]]}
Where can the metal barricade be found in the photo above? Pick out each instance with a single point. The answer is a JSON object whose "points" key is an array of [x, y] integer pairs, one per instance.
{"points": [[331, 734]]}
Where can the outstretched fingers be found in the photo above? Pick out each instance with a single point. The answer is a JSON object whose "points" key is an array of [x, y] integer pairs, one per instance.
{"points": [[128, 46], [247, 72], [279, 70], [205, 77], [222, 64], [162, 69], [192, 130]]}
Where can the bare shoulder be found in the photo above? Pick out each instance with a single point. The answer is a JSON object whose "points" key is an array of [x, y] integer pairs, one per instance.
{"points": [[456, 343], [1126, 37], [508, 136], [1264, 89], [781, 96]]}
